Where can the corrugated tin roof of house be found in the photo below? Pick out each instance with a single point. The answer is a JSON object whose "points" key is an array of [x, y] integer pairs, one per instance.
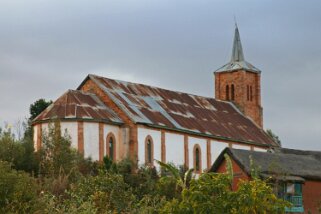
{"points": [[181, 111], [286, 162], [78, 105]]}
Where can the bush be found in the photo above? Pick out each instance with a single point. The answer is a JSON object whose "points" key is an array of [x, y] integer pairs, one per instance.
{"points": [[18, 191], [107, 191], [211, 193], [10, 150], [56, 153]]}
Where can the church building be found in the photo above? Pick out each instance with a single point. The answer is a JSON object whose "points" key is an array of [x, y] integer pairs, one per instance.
{"points": [[119, 119]]}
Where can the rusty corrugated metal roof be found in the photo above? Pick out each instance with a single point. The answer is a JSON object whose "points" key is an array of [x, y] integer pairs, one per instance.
{"points": [[181, 111], [75, 105]]}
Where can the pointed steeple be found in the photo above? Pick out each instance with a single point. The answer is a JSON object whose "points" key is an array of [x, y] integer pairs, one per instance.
{"points": [[237, 53], [237, 61]]}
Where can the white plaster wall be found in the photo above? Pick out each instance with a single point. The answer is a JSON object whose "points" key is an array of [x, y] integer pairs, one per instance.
{"points": [[259, 149], [202, 143], [45, 128], [216, 149], [142, 133], [71, 129], [91, 140], [115, 130], [174, 148], [238, 146]]}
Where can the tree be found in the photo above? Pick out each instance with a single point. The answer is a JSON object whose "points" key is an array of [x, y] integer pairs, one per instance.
{"points": [[34, 110], [56, 153], [211, 193], [10, 150], [37, 107], [274, 137]]}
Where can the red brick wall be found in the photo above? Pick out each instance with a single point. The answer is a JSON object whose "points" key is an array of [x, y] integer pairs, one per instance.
{"points": [[239, 174], [311, 191], [241, 79]]}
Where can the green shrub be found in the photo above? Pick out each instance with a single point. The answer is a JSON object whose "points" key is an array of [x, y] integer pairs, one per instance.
{"points": [[18, 191], [107, 191]]}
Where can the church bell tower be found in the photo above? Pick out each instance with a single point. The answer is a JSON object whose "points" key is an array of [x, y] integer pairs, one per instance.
{"points": [[240, 82]]}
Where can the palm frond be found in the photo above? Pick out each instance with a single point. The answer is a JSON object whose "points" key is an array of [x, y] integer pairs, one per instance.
{"points": [[170, 168]]}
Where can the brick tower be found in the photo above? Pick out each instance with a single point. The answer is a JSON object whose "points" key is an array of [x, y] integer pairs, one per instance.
{"points": [[240, 82]]}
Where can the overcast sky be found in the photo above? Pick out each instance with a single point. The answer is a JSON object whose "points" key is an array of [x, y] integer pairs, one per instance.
{"points": [[48, 47]]}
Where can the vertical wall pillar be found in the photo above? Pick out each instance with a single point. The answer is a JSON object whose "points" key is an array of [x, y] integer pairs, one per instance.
{"points": [[186, 152], [133, 144], [163, 147], [101, 141], [81, 137], [39, 136], [208, 154]]}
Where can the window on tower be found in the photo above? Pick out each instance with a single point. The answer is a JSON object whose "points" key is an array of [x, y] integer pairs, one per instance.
{"points": [[227, 91], [232, 92], [251, 93], [248, 93]]}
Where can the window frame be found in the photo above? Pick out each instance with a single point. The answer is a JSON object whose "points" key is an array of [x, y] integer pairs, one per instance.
{"points": [[296, 196], [227, 92], [248, 92], [149, 154], [199, 170], [232, 92], [109, 137]]}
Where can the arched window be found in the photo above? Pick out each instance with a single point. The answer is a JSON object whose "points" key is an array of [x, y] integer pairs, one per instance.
{"points": [[248, 93], [111, 146], [149, 151], [251, 93], [232, 92], [227, 91], [197, 159]]}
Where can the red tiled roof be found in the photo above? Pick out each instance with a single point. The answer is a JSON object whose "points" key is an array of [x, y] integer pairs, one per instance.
{"points": [[78, 105], [158, 107]]}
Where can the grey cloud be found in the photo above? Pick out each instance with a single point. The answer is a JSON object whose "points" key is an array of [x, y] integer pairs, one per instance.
{"points": [[47, 47]]}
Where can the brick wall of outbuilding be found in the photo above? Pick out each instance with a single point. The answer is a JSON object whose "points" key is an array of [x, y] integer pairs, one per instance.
{"points": [[311, 190], [312, 196], [239, 174]]}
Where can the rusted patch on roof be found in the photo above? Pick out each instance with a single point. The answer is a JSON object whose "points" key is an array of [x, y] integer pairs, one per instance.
{"points": [[78, 105], [181, 111]]}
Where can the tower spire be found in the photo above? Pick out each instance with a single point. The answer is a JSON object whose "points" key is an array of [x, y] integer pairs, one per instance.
{"points": [[237, 53]]}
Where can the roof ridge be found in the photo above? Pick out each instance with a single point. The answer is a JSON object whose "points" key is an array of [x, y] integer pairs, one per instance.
{"points": [[157, 87]]}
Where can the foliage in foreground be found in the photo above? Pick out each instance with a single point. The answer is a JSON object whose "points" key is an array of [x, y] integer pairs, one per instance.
{"points": [[18, 190], [211, 193], [59, 180]]}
